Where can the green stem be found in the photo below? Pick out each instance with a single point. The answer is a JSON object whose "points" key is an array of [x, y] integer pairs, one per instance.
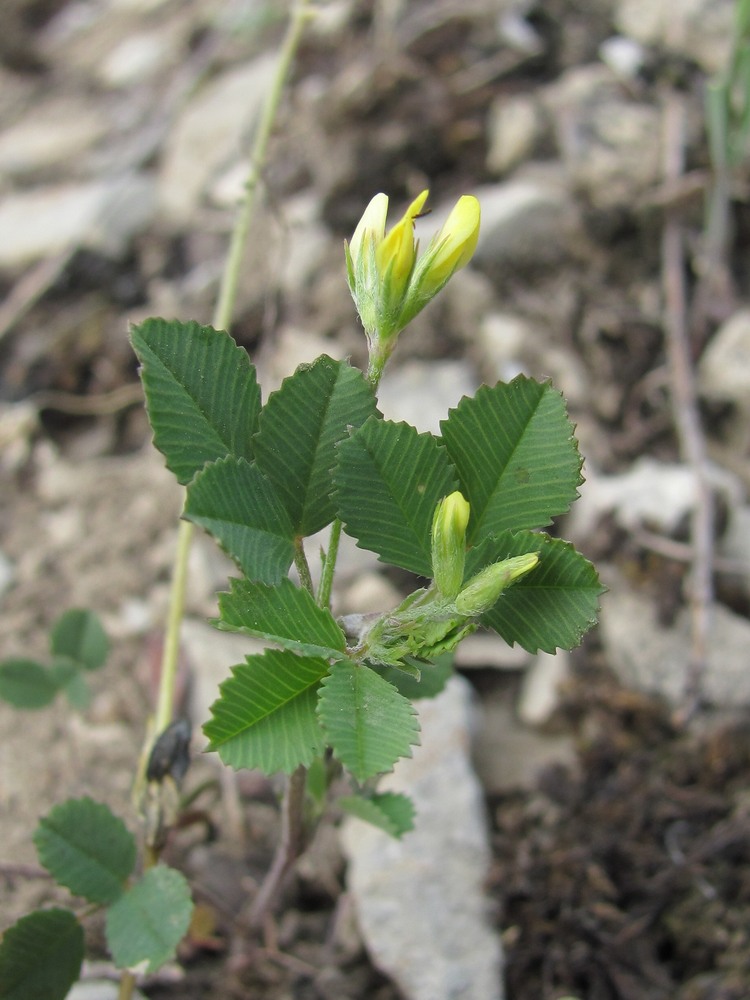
{"points": [[127, 985], [326, 579], [300, 562], [228, 293]]}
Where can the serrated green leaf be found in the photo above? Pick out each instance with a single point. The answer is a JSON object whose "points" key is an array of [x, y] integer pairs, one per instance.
{"points": [[201, 391], [389, 811], [515, 454], [236, 504], [553, 605], [432, 680], [86, 848], [284, 614], [389, 479], [366, 721], [41, 956], [26, 683], [265, 715], [147, 923], [300, 426], [78, 634]]}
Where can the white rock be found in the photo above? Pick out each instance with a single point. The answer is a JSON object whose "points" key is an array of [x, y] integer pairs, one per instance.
{"points": [[700, 29], [651, 494], [540, 688], [485, 649], [101, 215], [509, 754], [735, 543], [648, 656], [514, 127], [100, 989], [724, 369], [528, 221], [56, 133], [624, 56], [609, 143], [420, 902], [210, 134], [422, 392], [135, 59]]}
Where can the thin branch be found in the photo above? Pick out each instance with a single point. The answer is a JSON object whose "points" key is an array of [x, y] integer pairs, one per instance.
{"points": [[686, 415], [290, 847]]}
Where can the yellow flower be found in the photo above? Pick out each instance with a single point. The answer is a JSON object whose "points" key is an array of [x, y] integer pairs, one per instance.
{"points": [[449, 543], [389, 282], [483, 590]]}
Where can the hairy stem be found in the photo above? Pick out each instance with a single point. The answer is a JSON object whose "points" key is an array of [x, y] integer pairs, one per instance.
{"points": [[290, 847], [326, 579], [300, 562]]}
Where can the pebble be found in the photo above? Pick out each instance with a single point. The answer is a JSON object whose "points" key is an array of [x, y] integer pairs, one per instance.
{"points": [[215, 122], [422, 392], [698, 29], [724, 369], [654, 658], [419, 900], [53, 136], [101, 215], [540, 689]]}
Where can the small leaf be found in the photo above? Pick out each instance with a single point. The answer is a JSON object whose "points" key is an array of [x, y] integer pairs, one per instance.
{"points": [[389, 811], [236, 504], [389, 480], [432, 680], [147, 922], [554, 605], [265, 715], [284, 614], [26, 683], [79, 635], [86, 848], [515, 454], [71, 681], [201, 391], [300, 426], [367, 722], [41, 956]]}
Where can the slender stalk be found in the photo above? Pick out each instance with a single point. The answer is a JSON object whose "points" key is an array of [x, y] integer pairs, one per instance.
{"points": [[127, 985], [291, 845], [326, 579], [300, 562], [228, 293]]}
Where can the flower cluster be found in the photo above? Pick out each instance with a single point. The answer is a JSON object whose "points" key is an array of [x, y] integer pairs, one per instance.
{"points": [[389, 281]]}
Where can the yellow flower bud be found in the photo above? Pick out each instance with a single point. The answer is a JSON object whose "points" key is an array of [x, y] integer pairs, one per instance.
{"points": [[449, 543], [390, 284], [484, 589], [455, 243]]}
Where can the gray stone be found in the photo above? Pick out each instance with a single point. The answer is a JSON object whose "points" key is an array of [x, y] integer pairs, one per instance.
{"points": [[485, 649], [210, 135], [508, 754], [100, 989], [422, 392], [513, 129], [58, 131], [101, 215], [419, 900], [652, 658], [724, 369], [651, 494], [540, 688], [699, 29], [608, 142], [527, 222]]}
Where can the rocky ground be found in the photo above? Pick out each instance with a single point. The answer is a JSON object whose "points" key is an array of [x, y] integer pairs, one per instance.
{"points": [[595, 841]]}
